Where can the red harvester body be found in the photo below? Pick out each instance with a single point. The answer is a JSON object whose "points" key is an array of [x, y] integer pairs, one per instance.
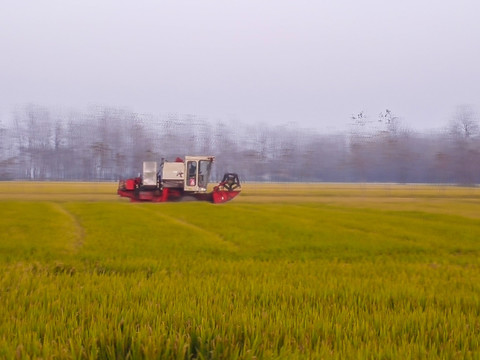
{"points": [[181, 180]]}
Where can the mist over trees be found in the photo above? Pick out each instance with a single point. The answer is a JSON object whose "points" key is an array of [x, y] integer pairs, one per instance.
{"points": [[109, 144]]}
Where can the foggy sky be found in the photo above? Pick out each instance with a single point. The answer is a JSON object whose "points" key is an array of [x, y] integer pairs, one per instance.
{"points": [[309, 62]]}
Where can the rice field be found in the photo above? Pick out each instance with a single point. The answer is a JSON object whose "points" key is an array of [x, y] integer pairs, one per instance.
{"points": [[284, 271]]}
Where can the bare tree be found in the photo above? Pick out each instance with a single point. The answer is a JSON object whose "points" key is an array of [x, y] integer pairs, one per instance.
{"points": [[7, 159], [465, 147], [109, 143], [464, 123]]}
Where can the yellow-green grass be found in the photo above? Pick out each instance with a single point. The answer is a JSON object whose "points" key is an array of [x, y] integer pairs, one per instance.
{"points": [[282, 271], [58, 191]]}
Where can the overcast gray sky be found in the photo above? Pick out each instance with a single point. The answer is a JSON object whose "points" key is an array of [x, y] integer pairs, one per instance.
{"points": [[309, 62]]}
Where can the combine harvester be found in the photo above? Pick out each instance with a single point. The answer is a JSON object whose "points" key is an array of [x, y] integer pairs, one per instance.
{"points": [[181, 180]]}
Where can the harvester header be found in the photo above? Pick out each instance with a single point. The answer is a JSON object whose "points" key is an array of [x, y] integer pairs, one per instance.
{"points": [[179, 180]]}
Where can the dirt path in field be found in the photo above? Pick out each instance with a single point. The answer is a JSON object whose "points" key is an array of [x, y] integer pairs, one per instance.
{"points": [[79, 231]]}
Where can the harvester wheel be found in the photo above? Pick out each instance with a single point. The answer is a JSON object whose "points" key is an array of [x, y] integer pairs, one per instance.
{"points": [[230, 187], [230, 181]]}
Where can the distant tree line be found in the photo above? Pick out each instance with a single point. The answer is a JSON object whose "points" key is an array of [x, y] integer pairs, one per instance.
{"points": [[109, 144]]}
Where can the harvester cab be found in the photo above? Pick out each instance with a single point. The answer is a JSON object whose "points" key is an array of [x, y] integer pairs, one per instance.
{"points": [[198, 173], [179, 180]]}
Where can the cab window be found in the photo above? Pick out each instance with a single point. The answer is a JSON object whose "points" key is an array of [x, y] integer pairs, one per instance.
{"points": [[191, 173], [203, 173]]}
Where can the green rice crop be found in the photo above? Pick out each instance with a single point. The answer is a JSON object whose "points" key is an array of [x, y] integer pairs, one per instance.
{"points": [[314, 271]]}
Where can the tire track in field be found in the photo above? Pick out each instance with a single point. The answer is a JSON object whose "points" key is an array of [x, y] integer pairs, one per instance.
{"points": [[356, 226], [79, 231], [308, 220], [228, 244]]}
